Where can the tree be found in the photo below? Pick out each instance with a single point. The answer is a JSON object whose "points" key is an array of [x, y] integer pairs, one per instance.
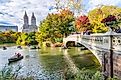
{"points": [[110, 18], [98, 14], [75, 5], [32, 38], [8, 37], [82, 23], [111, 22], [56, 26], [22, 39], [27, 38]]}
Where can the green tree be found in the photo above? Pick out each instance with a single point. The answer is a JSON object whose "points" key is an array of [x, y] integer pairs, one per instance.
{"points": [[32, 38], [27, 38], [22, 39], [55, 26], [98, 14], [8, 37]]}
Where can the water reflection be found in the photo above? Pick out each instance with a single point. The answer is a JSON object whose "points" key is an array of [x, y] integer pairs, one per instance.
{"points": [[45, 63]]}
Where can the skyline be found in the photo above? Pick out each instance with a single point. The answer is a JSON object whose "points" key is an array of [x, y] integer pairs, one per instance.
{"points": [[12, 11]]}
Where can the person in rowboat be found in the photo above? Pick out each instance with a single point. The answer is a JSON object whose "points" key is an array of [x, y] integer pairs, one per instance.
{"points": [[18, 55]]}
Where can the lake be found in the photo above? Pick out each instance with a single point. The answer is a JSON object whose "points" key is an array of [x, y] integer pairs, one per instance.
{"points": [[48, 63]]}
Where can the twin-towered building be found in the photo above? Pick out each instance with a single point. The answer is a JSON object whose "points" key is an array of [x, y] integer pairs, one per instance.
{"points": [[25, 28], [29, 27]]}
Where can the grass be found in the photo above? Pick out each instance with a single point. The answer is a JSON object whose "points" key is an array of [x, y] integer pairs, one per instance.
{"points": [[86, 74], [88, 65], [9, 73]]}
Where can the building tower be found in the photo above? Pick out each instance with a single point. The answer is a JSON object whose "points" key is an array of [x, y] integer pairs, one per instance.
{"points": [[33, 20], [26, 21], [29, 28]]}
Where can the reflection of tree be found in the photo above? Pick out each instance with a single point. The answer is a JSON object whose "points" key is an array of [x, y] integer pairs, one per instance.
{"points": [[52, 60]]}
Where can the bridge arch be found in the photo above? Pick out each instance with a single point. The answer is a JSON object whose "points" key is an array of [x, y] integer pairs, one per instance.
{"points": [[76, 38], [70, 43], [105, 46], [93, 51]]}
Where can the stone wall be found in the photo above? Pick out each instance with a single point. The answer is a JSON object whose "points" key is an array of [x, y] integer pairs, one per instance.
{"points": [[117, 65]]}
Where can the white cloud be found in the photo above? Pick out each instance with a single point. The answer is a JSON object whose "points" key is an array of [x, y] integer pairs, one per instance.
{"points": [[13, 10]]}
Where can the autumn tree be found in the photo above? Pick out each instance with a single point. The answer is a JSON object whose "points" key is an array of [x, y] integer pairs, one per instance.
{"points": [[75, 5], [55, 26], [111, 22], [98, 14], [8, 37], [27, 39], [82, 23]]}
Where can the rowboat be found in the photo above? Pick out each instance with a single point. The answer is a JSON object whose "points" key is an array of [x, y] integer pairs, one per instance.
{"points": [[4, 48], [19, 47], [15, 58], [34, 47]]}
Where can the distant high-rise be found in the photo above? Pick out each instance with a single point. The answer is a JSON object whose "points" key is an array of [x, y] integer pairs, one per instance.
{"points": [[26, 21], [33, 20], [29, 28], [4, 28]]}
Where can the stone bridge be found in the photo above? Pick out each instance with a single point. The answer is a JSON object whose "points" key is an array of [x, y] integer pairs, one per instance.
{"points": [[106, 47]]}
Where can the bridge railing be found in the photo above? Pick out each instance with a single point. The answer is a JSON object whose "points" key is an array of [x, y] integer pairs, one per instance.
{"points": [[97, 41], [117, 42], [72, 37], [102, 41]]}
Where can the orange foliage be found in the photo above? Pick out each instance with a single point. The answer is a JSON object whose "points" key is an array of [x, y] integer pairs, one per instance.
{"points": [[82, 23]]}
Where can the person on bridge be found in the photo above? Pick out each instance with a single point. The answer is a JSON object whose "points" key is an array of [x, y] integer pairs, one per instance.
{"points": [[118, 30], [87, 32]]}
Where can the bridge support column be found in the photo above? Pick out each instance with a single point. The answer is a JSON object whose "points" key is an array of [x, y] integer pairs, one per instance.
{"points": [[107, 62], [104, 62], [105, 65], [64, 42], [111, 57], [75, 43]]}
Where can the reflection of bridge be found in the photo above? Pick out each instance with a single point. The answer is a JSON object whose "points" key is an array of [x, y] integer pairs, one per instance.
{"points": [[106, 47]]}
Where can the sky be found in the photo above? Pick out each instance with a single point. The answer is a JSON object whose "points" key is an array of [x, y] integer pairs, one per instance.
{"points": [[12, 11]]}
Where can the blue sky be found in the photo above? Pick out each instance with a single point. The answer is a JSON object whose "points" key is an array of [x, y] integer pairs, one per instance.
{"points": [[12, 11]]}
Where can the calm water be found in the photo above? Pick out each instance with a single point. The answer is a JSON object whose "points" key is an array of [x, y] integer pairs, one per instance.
{"points": [[45, 63]]}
